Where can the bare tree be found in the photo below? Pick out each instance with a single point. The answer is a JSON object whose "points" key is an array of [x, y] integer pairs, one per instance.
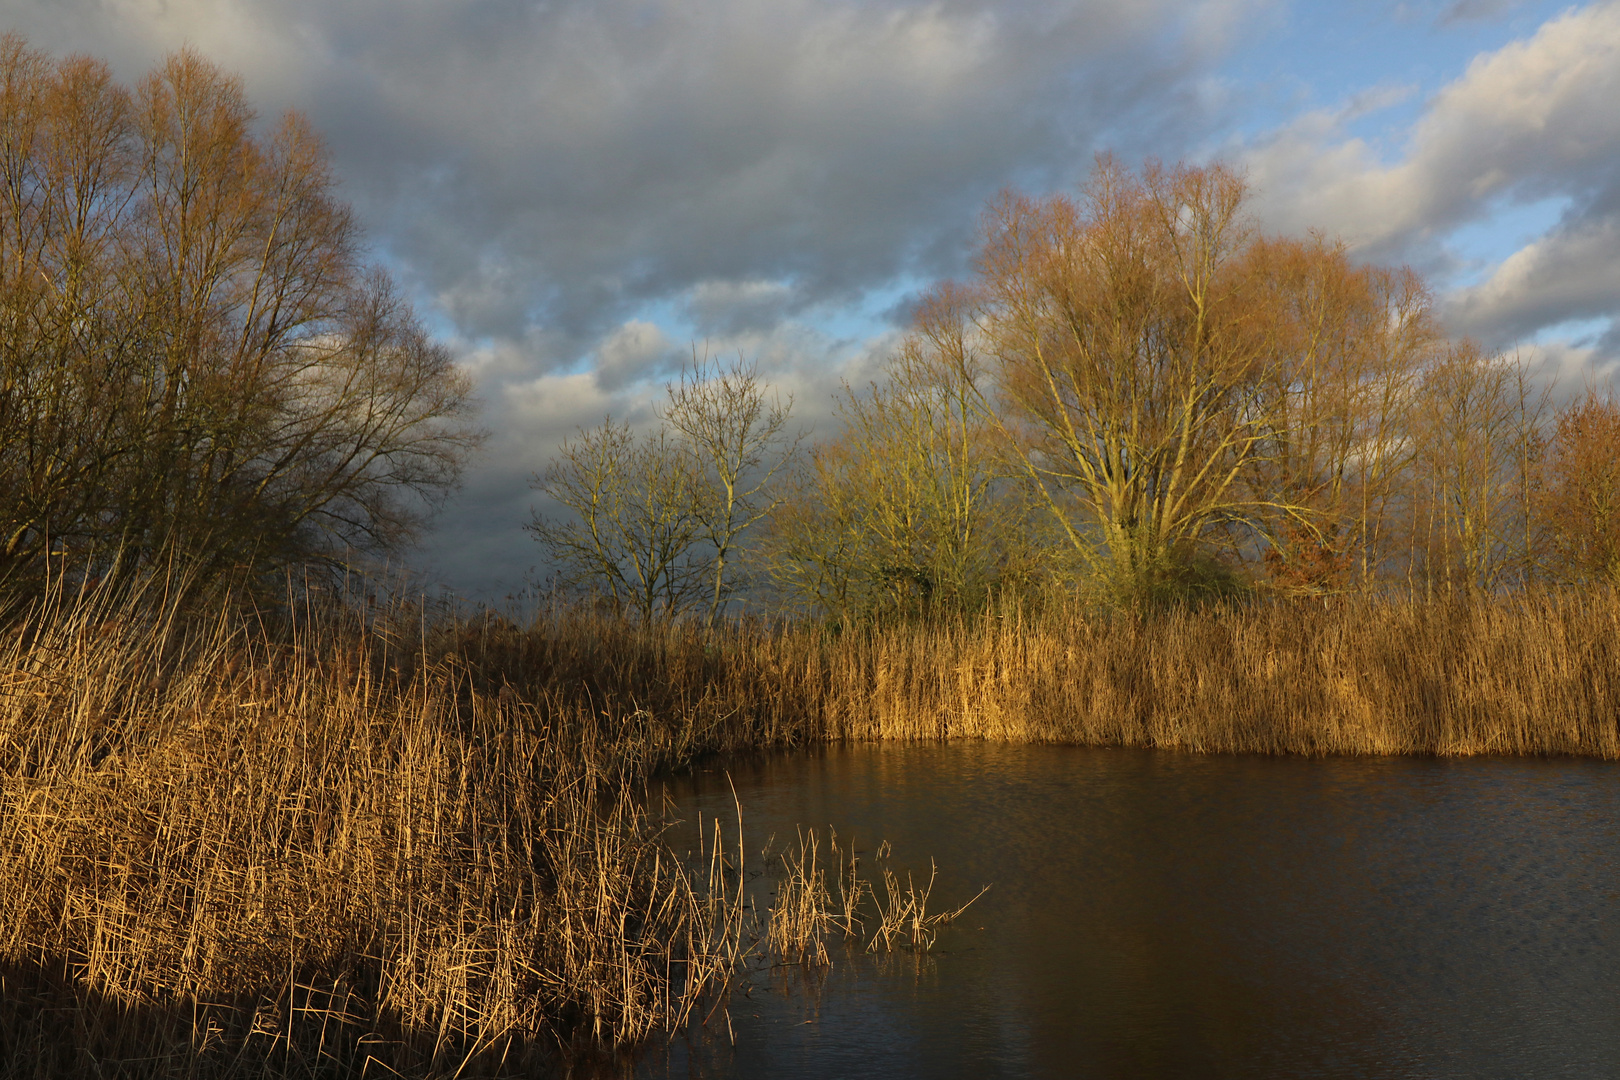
{"points": [[632, 530], [191, 350], [655, 521], [909, 508], [1476, 438], [1132, 363], [737, 439], [1351, 344]]}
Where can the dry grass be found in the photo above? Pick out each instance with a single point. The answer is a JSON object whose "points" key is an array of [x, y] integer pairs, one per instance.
{"points": [[225, 858], [369, 843], [1534, 673], [903, 916], [805, 913], [1530, 674]]}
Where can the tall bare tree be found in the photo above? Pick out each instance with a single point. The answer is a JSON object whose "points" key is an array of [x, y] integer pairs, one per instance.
{"points": [[1477, 435], [652, 522], [1133, 362], [630, 532], [1351, 344], [192, 351], [1580, 503], [736, 436], [909, 508]]}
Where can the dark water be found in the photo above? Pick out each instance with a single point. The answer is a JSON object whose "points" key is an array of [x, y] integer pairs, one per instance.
{"points": [[1168, 915]]}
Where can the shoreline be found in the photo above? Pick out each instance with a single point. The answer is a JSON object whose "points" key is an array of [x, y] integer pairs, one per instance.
{"points": [[355, 841]]}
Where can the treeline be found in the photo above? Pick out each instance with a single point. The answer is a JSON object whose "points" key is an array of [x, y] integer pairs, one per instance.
{"points": [[194, 355], [1138, 396]]}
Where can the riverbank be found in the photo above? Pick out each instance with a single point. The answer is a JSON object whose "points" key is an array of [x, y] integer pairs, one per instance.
{"points": [[1535, 673], [380, 840]]}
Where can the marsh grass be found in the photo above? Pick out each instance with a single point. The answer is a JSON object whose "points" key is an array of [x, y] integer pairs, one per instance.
{"points": [[903, 915], [227, 854], [805, 913], [361, 839], [1535, 673]]}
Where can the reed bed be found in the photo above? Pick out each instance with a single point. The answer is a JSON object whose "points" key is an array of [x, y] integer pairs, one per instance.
{"points": [[225, 856], [371, 841], [1532, 673]]}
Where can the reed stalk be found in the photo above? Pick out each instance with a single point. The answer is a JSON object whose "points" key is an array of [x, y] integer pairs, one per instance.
{"points": [[366, 838]]}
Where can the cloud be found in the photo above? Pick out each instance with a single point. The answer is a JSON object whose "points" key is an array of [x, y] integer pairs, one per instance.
{"points": [[562, 164], [1532, 121], [632, 353], [730, 307], [1572, 273]]}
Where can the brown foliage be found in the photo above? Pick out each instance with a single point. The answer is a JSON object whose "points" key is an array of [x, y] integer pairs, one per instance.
{"points": [[1171, 379], [191, 350], [1581, 503]]}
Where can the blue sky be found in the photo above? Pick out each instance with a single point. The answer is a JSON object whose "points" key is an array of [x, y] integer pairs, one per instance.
{"points": [[579, 192]]}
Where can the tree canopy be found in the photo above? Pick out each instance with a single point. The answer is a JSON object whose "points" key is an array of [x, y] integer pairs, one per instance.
{"points": [[193, 351]]}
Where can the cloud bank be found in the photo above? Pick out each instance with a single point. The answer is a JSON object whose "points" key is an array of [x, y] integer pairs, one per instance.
{"points": [[581, 193]]}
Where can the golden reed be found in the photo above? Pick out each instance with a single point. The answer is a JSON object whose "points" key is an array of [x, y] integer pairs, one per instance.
{"points": [[375, 842]]}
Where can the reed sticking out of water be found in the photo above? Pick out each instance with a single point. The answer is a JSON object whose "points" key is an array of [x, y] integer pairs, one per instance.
{"points": [[903, 913], [805, 914]]}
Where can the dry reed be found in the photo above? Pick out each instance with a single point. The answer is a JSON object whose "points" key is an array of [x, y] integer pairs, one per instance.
{"points": [[221, 856], [384, 839], [805, 914], [1533, 673]]}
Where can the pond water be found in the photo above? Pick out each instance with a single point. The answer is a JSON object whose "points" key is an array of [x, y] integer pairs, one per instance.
{"points": [[1157, 914]]}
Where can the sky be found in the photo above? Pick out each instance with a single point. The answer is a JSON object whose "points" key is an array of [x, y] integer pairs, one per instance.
{"points": [[579, 194]]}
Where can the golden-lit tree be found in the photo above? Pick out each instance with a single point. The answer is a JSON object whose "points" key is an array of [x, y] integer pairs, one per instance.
{"points": [[1350, 345], [909, 508], [1476, 437], [192, 352], [1580, 504], [1136, 355]]}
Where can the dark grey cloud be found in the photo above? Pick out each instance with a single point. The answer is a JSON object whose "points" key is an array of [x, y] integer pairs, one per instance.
{"points": [[543, 173], [563, 164]]}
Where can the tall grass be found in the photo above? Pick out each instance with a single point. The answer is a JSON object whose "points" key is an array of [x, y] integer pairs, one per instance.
{"points": [[1530, 674], [365, 841], [1534, 673], [226, 855]]}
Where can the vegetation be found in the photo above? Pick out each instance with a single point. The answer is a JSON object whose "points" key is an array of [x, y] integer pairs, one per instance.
{"points": [[652, 522], [1142, 398], [335, 836], [377, 838], [192, 353], [365, 840]]}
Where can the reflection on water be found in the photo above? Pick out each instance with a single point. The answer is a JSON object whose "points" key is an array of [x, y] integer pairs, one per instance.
{"points": [[1169, 915]]}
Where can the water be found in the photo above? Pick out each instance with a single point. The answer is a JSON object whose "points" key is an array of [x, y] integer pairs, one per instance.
{"points": [[1170, 915]]}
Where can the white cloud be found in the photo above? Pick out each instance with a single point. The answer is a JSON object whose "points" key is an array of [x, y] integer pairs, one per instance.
{"points": [[1571, 273], [635, 351], [1532, 118], [1533, 121]]}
